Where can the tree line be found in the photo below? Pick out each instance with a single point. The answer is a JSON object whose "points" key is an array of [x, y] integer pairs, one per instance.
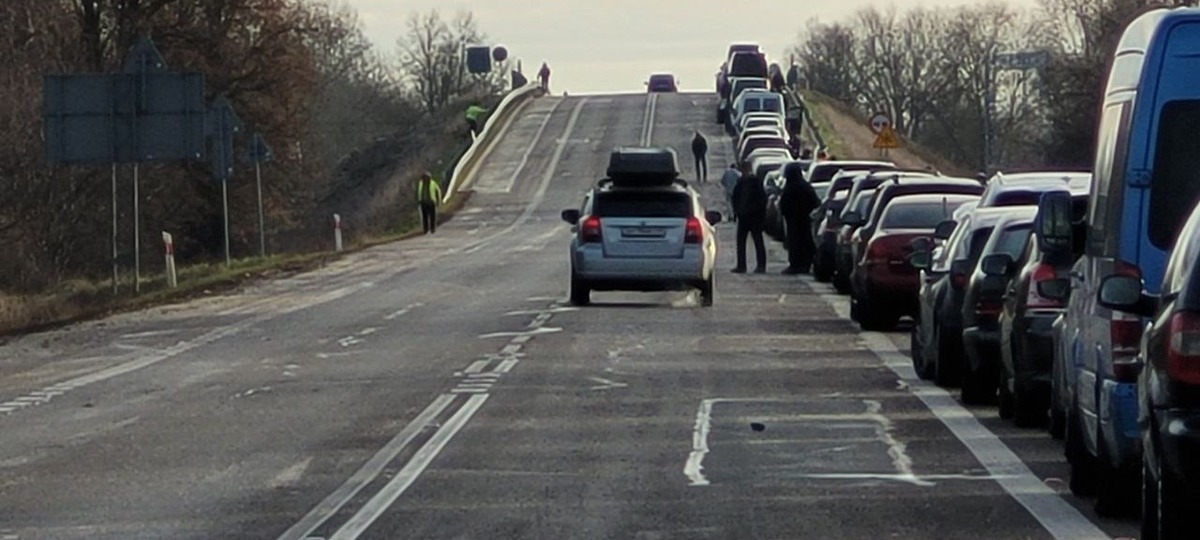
{"points": [[950, 77], [300, 72]]}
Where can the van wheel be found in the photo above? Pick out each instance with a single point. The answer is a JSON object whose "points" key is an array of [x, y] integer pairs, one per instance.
{"points": [[1083, 476], [581, 294], [707, 291]]}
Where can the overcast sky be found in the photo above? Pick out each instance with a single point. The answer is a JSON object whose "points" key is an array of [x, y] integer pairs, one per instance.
{"points": [[613, 45]]}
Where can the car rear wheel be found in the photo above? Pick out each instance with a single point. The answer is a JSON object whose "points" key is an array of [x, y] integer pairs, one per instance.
{"points": [[707, 291], [978, 388], [1114, 485], [581, 294], [874, 318], [822, 273], [1006, 399], [945, 373], [1029, 410], [920, 365], [1083, 476]]}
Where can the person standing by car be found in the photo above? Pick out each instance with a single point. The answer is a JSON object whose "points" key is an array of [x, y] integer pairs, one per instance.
{"points": [[429, 193], [700, 152], [544, 77], [797, 203], [729, 181], [750, 207]]}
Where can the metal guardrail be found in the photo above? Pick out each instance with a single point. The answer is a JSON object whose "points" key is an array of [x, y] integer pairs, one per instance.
{"points": [[488, 137]]}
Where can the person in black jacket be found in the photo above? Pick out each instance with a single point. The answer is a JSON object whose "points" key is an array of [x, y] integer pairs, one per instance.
{"points": [[797, 203], [750, 206], [700, 152]]}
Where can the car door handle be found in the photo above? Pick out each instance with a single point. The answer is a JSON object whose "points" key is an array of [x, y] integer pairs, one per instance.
{"points": [[1076, 275]]}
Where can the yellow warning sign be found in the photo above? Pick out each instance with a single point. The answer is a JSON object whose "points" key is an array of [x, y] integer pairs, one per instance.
{"points": [[887, 138]]}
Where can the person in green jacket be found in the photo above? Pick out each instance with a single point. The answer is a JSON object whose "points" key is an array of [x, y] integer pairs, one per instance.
{"points": [[429, 194], [473, 114]]}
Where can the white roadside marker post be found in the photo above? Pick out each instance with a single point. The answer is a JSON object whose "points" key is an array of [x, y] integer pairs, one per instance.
{"points": [[337, 232], [169, 244]]}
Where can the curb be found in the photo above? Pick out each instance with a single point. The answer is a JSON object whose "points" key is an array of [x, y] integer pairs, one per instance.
{"points": [[493, 131]]}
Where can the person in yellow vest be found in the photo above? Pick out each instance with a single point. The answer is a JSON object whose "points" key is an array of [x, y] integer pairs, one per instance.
{"points": [[473, 114], [429, 194]]}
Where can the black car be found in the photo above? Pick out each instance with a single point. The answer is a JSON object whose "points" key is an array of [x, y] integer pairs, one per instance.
{"points": [[662, 83], [827, 221], [1032, 302], [843, 254], [1168, 386], [983, 300]]}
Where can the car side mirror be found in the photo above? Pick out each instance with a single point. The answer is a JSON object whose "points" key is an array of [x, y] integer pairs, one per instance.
{"points": [[1126, 294], [1055, 289], [713, 217], [852, 218], [996, 264], [1053, 223], [945, 229], [571, 215], [920, 260]]}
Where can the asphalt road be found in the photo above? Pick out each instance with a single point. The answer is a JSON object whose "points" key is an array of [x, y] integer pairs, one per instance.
{"points": [[439, 388]]}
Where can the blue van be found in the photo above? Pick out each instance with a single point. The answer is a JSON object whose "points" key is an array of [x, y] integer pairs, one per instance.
{"points": [[1146, 180]]}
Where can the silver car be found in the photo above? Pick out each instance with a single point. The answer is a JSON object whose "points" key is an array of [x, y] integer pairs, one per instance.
{"points": [[650, 237]]}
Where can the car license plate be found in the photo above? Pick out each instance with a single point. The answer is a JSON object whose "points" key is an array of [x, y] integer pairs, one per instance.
{"points": [[643, 233]]}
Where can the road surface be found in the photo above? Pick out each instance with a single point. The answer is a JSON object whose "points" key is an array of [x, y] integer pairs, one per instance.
{"points": [[440, 388]]}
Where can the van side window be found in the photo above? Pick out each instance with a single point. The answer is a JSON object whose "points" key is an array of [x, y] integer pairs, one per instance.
{"points": [[1109, 184], [1176, 179]]}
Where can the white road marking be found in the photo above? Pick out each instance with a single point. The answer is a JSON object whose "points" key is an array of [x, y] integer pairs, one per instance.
{"points": [[537, 137], [506, 365], [896, 449], [925, 480], [517, 335], [367, 473], [290, 475], [648, 120], [1059, 518], [476, 366], [605, 384], [552, 311], [400, 483], [152, 333], [402, 312], [492, 375], [368, 331], [511, 349], [468, 390], [695, 464]]}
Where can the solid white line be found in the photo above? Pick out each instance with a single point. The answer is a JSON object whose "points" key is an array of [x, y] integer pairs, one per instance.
{"points": [[650, 120], [529, 151], [476, 366], [537, 199], [492, 375], [413, 469], [1059, 518], [367, 473], [468, 390], [695, 464]]}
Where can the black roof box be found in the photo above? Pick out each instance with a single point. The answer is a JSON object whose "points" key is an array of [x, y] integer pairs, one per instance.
{"points": [[636, 165]]}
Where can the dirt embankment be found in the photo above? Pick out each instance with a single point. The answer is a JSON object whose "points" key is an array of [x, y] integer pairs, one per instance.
{"points": [[849, 137]]}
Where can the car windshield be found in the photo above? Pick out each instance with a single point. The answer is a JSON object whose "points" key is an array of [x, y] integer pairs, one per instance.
{"points": [[1012, 240], [925, 215], [642, 204]]}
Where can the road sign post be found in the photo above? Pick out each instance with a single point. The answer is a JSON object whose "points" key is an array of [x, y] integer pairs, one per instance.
{"points": [[260, 152], [224, 124]]}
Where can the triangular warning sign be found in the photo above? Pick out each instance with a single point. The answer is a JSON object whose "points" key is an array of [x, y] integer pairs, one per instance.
{"points": [[887, 139]]}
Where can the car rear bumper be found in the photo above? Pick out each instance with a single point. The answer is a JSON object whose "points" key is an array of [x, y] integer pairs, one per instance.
{"points": [[1179, 438], [1118, 419], [896, 291], [642, 273]]}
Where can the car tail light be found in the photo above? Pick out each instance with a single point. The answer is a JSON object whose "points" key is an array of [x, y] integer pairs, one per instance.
{"points": [[958, 278], [884, 250], [1034, 300], [590, 231], [695, 231], [1125, 331], [1183, 347], [990, 308]]}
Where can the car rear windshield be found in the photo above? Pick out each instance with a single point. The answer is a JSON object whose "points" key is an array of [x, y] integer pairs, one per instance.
{"points": [[1175, 182], [924, 215], [1012, 240], [1017, 197], [642, 204], [865, 199]]}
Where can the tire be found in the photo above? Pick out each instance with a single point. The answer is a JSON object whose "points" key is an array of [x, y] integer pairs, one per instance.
{"points": [[1083, 476], [821, 274], [1114, 486], [840, 283], [1150, 505], [873, 318], [1172, 504], [1007, 405], [1058, 421], [854, 309], [581, 294], [923, 369], [1029, 411], [977, 387], [707, 291], [945, 373]]}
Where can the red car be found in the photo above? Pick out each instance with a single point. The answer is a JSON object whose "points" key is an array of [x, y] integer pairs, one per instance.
{"points": [[885, 284]]}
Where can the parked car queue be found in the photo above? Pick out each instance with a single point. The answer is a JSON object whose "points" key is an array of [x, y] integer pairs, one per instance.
{"points": [[1068, 299]]}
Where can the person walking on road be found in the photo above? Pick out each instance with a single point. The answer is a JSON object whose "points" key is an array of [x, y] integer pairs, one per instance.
{"points": [[700, 152], [473, 114], [544, 78], [729, 181], [429, 194], [750, 206], [797, 203]]}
